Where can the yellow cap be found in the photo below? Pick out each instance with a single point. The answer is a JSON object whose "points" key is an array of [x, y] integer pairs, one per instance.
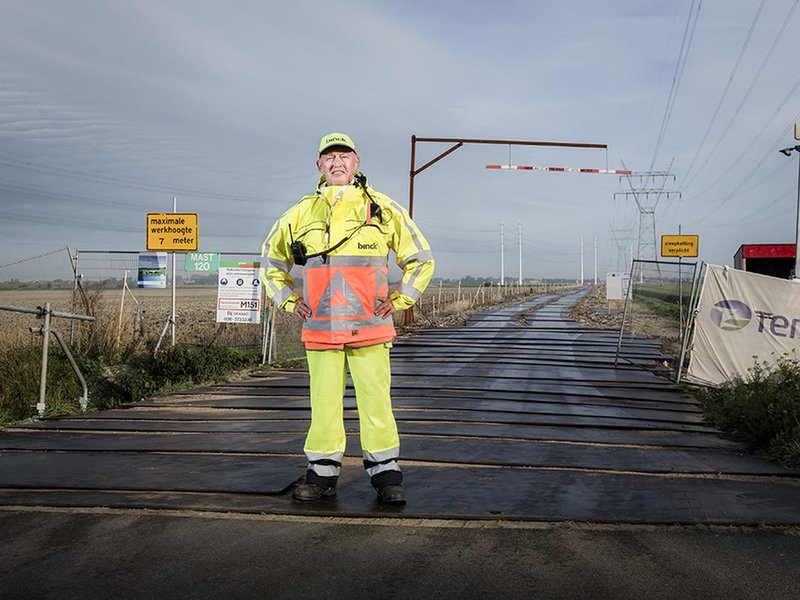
{"points": [[336, 139]]}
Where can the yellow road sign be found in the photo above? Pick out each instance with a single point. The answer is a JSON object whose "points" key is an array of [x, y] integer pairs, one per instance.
{"points": [[177, 232], [680, 245]]}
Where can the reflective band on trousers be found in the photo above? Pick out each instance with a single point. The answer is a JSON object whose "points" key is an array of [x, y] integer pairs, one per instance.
{"points": [[343, 293], [378, 462], [325, 464]]}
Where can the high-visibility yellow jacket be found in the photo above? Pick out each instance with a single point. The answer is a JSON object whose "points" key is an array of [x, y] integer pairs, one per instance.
{"points": [[342, 287]]}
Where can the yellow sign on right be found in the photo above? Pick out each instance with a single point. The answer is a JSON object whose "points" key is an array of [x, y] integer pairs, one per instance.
{"points": [[680, 245]]}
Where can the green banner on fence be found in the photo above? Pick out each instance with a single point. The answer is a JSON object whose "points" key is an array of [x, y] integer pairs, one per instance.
{"points": [[201, 262]]}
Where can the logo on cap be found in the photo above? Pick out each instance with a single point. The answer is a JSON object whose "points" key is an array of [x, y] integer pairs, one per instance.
{"points": [[337, 138]]}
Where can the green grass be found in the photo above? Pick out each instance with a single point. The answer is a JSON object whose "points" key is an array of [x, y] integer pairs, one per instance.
{"points": [[109, 384], [763, 411], [663, 300]]}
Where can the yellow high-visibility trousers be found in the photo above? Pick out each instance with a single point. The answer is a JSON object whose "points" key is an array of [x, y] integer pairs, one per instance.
{"points": [[325, 443]]}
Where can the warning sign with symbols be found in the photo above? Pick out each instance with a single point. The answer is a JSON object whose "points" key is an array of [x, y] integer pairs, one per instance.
{"points": [[238, 295]]}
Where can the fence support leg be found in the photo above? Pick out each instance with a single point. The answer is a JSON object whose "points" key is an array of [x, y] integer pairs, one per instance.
{"points": [[45, 348]]}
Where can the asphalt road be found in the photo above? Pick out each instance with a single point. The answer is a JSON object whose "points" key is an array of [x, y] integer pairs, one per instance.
{"points": [[129, 555], [536, 468]]}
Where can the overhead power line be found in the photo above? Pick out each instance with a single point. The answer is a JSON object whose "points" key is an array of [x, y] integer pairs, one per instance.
{"points": [[752, 144], [729, 125], [727, 87], [683, 55], [118, 181]]}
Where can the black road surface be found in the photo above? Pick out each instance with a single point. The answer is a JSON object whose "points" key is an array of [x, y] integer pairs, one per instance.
{"points": [[533, 466]]}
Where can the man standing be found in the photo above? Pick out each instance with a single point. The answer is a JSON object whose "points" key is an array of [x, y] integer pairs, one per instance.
{"points": [[342, 235]]}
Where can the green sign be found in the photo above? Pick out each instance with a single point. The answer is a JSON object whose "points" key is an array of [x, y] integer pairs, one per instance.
{"points": [[201, 262], [233, 264]]}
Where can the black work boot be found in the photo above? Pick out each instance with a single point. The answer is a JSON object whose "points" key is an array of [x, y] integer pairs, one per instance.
{"points": [[315, 487], [389, 485], [392, 494], [306, 492]]}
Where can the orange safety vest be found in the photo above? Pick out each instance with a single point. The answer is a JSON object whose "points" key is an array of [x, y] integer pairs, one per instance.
{"points": [[343, 293]]}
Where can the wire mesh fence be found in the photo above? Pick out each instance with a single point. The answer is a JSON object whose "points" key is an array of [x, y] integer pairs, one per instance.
{"points": [[657, 303], [140, 297], [32, 282], [132, 302]]}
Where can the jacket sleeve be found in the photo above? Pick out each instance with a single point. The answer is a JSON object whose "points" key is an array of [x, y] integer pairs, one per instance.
{"points": [[414, 257], [276, 264]]}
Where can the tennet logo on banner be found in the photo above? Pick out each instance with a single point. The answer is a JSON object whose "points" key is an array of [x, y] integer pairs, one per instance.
{"points": [[732, 315]]}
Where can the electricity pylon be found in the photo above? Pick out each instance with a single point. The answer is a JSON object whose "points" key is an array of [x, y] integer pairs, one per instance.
{"points": [[622, 239], [647, 194]]}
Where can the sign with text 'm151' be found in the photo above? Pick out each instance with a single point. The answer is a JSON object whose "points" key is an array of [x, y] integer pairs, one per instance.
{"points": [[177, 232], [680, 245]]}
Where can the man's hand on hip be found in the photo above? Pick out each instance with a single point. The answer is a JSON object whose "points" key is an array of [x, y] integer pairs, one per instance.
{"points": [[385, 308], [301, 309]]}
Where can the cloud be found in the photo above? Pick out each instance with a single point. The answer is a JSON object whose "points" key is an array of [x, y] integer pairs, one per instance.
{"points": [[107, 110]]}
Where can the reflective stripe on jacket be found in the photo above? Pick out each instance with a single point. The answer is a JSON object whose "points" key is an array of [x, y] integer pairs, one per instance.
{"points": [[343, 293], [342, 288]]}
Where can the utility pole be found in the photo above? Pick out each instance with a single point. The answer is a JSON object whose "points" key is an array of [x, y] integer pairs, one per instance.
{"points": [[502, 257], [788, 152], [519, 246], [595, 260], [581, 260]]}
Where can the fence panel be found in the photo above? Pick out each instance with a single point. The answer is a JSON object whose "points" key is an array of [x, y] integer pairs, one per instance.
{"points": [[108, 286], [130, 319], [29, 283], [657, 304]]}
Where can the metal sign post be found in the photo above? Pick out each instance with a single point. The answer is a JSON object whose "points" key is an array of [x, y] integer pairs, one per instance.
{"points": [[174, 232], [680, 246]]}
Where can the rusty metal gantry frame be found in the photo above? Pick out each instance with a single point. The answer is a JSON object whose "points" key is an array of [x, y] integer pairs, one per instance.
{"points": [[458, 142], [408, 316]]}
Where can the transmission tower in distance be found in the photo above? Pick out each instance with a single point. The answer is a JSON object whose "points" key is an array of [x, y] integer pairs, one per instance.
{"points": [[647, 189], [622, 239]]}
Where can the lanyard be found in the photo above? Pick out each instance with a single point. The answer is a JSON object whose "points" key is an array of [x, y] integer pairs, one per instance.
{"points": [[330, 211]]}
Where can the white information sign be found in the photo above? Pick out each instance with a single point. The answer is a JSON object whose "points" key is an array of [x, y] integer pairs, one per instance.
{"points": [[238, 295]]}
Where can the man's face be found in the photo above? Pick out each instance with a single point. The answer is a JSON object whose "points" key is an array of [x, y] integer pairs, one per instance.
{"points": [[338, 164]]}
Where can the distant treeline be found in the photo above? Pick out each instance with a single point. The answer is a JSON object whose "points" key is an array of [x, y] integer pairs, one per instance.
{"points": [[210, 279], [102, 284], [56, 284], [470, 281]]}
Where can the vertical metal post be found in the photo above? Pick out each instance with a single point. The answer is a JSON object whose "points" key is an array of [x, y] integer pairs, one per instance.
{"points": [[680, 291], [411, 178], [172, 314], [45, 349], [271, 335], [519, 246], [797, 230], [265, 313], [74, 294], [408, 314], [502, 257], [121, 307], [625, 313]]}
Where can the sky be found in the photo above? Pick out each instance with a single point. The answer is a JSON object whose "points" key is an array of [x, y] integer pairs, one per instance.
{"points": [[108, 110]]}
